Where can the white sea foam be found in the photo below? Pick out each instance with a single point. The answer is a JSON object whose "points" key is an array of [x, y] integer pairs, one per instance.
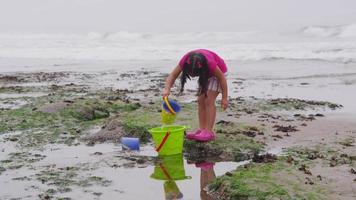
{"points": [[334, 44], [342, 31]]}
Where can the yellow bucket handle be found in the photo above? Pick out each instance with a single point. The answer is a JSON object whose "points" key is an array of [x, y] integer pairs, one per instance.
{"points": [[165, 99]]}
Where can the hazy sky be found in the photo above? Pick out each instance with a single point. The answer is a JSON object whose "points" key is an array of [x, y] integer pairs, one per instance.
{"points": [[171, 15]]}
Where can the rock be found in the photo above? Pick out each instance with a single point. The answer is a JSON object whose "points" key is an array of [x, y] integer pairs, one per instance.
{"points": [[290, 159], [252, 128], [288, 128], [249, 133], [333, 163], [13, 139], [97, 193], [352, 158], [228, 174], [304, 169], [265, 158], [353, 171], [141, 161], [223, 122], [309, 181], [2, 169], [277, 136], [312, 156]]}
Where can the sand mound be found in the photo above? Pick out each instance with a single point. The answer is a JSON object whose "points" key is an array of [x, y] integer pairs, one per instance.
{"points": [[111, 131]]}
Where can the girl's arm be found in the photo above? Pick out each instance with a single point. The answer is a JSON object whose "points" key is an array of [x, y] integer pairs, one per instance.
{"points": [[170, 80], [222, 80]]}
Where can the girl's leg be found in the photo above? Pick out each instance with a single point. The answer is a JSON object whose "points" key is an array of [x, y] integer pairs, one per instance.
{"points": [[210, 109], [202, 112]]}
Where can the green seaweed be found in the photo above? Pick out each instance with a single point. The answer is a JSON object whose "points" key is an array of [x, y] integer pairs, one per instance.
{"points": [[265, 181]]}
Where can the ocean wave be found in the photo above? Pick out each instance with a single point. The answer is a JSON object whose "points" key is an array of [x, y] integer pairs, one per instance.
{"points": [[341, 31], [244, 46], [313, 76]]}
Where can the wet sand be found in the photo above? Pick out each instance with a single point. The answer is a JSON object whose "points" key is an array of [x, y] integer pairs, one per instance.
{"points": [[34, 165]]}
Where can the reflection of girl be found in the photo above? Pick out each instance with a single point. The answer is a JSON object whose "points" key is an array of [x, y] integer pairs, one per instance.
{"points": [[210, 69], [207, 174]]}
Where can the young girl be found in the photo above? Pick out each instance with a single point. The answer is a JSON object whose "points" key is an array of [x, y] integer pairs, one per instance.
{"points": [[210, 69]]}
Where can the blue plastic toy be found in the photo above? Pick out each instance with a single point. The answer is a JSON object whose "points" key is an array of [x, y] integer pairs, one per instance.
{"points": [[130, 143]]}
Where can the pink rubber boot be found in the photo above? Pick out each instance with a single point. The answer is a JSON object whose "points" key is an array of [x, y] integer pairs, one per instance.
{"points": [[204, 136], [190, 135]]}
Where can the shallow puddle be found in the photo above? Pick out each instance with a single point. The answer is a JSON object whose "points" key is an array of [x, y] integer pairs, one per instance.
{"points": [[117, 175]]}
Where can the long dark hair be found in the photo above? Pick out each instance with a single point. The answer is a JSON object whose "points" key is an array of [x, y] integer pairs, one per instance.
{"points": [[196, 65]]}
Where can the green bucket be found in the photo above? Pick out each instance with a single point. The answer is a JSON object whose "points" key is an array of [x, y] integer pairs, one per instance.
{"points": [[168, 139], [170, 168]]}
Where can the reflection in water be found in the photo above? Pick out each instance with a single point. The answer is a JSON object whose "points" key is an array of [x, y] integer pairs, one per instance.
{"points": [[171, 190], [207, 174], [171, 169]]}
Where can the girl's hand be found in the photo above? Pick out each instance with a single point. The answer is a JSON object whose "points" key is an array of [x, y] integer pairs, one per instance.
{"points": [[166, 92], [224, 103]]}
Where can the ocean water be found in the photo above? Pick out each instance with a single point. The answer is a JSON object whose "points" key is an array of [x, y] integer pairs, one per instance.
{"points": [[327, 43], [315, 63]]}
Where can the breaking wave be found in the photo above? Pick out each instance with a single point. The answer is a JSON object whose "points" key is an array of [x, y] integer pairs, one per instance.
{"points": [[342, 31], [335, 44]]}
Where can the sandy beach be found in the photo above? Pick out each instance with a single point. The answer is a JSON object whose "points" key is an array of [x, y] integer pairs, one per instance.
{"points": [[62, 120], [82, 115]]}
